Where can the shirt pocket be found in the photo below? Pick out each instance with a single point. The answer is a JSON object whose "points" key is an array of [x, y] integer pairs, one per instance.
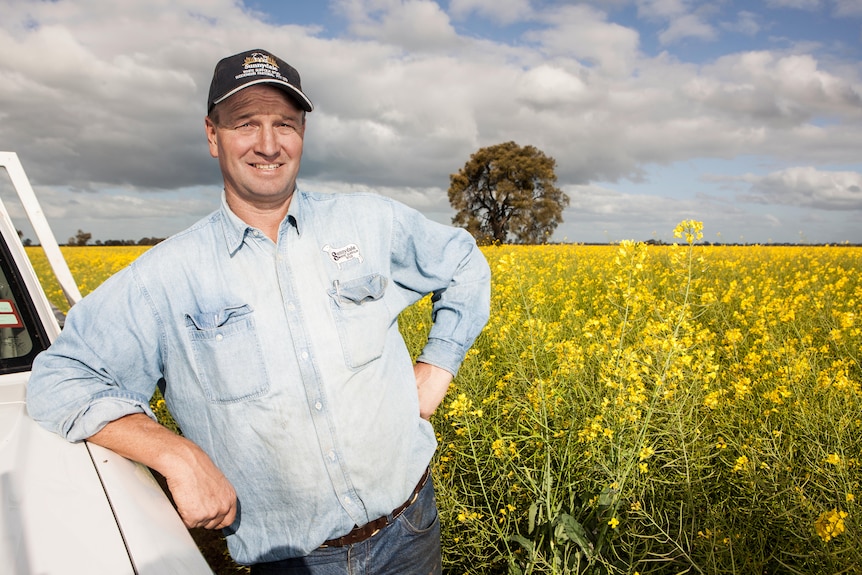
{"points": [[361, 317], [227, 354]]}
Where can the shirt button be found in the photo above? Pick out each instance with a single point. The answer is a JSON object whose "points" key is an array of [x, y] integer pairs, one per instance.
{"points": [[304, 355], [291, 307], [219, 337], [347, 499], [331, 455], [318, 406]]}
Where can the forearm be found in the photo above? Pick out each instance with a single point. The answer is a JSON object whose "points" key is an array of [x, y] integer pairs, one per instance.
{"points": [[139, 438], [203, 495]]}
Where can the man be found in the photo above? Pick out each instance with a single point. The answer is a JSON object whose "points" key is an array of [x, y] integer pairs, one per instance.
{"points": [[272, 326]]}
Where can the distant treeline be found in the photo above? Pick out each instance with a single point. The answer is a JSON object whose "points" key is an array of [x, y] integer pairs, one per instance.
{"points": [[82, 238], [140, 242]]}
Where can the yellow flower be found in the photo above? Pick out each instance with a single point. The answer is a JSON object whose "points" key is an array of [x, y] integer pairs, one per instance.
{"points": [[497, 447], [833, 459], [614, 522], [741, 463], [513, 450], [460, 406], [469, 516], [711, 400], [830, 524], [742, 387], [691, 229]]}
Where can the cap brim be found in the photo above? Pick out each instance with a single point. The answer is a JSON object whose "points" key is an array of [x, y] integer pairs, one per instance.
{"points": [[290, 89]]}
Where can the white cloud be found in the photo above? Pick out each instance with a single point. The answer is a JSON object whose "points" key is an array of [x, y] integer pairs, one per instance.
{"points": [[747, 23], [584, 33], [807, 187], [662, 9], [775, 90], [113, 214], [410, 24], [598, 213], [547, 85], [500, 11], [847, 7], [687, 26]]}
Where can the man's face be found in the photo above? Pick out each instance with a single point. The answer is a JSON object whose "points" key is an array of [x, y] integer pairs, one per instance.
{"points": [[258, 143]]}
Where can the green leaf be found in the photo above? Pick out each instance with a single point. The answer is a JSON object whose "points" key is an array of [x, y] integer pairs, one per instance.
{"points": [[523, 542], [606, 497], [569, 528]]}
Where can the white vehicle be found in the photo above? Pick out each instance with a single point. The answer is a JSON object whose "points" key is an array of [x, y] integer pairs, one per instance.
{"points": [[66, 508]]}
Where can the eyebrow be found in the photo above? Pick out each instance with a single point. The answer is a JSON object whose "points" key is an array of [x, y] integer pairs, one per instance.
{"points": [[248, 115]]}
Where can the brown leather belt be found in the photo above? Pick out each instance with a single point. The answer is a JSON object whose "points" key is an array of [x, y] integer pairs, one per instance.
{"points": [[370, 529]]}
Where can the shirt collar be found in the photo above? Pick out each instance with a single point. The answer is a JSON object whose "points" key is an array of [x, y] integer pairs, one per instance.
{"points": [[295, 212], [235, 229]]}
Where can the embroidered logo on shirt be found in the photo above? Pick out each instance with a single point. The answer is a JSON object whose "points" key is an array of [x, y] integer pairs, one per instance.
{"points": [[342, 255]]}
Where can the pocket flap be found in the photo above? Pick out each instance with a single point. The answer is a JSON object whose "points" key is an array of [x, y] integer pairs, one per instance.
{"points": [[212, 320], [359, 290]]}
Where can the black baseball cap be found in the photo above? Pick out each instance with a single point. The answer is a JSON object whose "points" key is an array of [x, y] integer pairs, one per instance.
{"points": [[245, 69]]}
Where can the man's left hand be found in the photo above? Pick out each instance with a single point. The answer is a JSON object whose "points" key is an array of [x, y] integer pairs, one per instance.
{"points": [[431, 384]]}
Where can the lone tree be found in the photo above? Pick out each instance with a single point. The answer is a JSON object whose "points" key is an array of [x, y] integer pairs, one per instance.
{"points": [[506, 193], [82, 238]]}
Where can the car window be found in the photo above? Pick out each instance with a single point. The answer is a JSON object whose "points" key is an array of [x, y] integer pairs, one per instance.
{"points": [[21, 335]]}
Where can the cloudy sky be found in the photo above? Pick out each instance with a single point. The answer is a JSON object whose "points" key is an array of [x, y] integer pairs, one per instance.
{"points": [[745, 115]]}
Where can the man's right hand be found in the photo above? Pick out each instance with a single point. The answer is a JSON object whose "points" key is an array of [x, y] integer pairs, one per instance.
{"points": [[203, 495]]}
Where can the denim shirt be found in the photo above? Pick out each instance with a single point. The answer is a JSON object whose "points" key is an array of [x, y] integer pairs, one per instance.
{"points": [[283, 361]]}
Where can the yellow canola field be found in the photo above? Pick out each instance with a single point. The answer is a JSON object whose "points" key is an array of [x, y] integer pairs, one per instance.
{"points": [[647, 409], [90, 266], [658, 409]]}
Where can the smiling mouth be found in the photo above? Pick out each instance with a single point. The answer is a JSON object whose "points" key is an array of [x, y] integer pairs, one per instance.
{"points": [[267, 166]]}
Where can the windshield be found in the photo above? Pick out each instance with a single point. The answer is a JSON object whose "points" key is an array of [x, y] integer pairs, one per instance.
{"points": [[20, 335]]}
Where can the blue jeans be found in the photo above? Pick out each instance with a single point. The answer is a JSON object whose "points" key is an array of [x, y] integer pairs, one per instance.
{"points": [[409, 546]]}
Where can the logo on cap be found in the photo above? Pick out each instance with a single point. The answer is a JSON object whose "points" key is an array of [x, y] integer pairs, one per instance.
{"points": [[260, 65]]}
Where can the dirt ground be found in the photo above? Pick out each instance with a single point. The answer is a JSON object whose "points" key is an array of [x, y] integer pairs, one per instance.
{"points": [[214, 549]]}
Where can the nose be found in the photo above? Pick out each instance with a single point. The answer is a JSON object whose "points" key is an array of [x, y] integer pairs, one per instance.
{"points": [[267, 142]]}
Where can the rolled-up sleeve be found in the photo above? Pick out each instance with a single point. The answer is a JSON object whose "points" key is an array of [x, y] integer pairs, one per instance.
{"points": [[103, 366], [433, 258]]}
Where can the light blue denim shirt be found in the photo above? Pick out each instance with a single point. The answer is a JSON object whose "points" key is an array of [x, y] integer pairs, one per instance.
{"points": [[283, 362]]}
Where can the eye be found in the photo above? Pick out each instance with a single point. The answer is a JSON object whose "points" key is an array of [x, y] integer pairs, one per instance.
{"points": [[245, 128]]}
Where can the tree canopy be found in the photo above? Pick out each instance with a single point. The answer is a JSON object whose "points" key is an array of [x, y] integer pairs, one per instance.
{"points": [[82, 238], [506, 193]]}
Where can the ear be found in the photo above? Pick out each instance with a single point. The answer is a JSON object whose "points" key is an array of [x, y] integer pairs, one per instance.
{"points": [[212, 136]]}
